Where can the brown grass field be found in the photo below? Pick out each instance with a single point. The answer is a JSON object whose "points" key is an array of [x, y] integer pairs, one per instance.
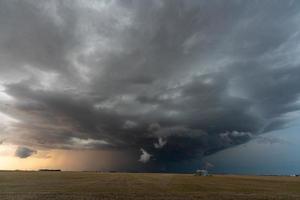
{"points": [[112, 186]]}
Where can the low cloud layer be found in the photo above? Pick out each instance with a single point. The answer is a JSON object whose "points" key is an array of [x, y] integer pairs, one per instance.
{"points": [[177, 79]]}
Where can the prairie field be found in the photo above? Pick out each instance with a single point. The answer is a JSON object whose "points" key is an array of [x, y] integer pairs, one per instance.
{"points": [[111, 186]]}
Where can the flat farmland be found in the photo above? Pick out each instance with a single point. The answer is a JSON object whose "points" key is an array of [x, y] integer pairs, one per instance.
{"points": [[111, 186]]}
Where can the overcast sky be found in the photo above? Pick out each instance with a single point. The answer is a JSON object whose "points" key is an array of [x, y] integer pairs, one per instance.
{"points": [[157, 84]]}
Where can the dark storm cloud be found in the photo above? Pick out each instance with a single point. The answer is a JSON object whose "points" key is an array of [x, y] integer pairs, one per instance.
{"points": [[24, 152], [175, 80]]}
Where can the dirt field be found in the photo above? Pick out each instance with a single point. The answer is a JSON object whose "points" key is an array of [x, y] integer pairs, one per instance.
{"points": [[90, 186]]}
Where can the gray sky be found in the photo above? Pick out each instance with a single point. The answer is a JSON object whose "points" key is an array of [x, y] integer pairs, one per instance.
{"points": [[272, 153], [163, 82]]}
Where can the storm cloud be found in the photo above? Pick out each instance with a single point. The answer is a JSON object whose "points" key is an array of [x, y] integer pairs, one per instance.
{"points": [[177, 80]]}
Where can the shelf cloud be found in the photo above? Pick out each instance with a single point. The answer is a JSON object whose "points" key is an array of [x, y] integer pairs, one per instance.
{"points": [[177, 80]]}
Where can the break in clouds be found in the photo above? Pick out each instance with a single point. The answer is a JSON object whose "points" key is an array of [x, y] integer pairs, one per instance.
{"points": [[166, 81]]}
